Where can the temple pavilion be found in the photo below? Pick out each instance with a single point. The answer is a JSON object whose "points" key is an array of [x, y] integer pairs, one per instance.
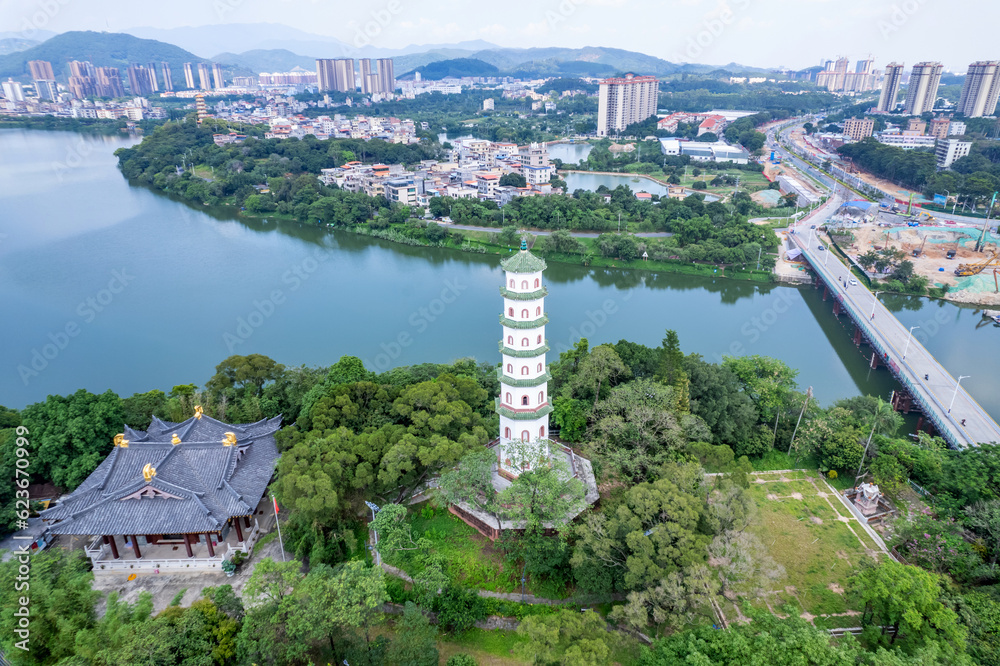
{"points": [[179, 496]]}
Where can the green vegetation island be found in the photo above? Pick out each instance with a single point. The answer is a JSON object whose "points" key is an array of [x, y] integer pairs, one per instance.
{"points": [[277, 180], [718, 538]]}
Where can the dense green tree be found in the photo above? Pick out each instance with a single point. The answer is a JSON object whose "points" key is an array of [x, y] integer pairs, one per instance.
{"points": [[677, 600], [717, 397], [564, 637], [70, 435], [141, 407], [635, 429], [458, 609], [545, 493], [907, 599], [471, 483], [600, 368], [414, 643], [61, 605], [653, 531], [254, 370]]}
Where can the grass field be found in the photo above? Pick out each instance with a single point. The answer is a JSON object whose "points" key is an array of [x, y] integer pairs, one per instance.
{"points": [[816, 538], [471, 558]]}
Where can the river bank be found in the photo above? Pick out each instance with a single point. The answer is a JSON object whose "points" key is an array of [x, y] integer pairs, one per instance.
{"points": [[480, 242]]}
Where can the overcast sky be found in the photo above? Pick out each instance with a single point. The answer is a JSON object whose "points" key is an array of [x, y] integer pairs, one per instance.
{"points": [[766, 33]]}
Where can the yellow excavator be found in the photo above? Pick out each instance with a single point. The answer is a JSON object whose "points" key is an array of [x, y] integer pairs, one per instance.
{"points": [[964, 270]]}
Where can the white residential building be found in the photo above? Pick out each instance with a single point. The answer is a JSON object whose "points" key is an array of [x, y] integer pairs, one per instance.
{"points": [[950, 150], [623, 101]]}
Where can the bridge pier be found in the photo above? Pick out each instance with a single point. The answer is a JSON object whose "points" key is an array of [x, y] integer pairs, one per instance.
{"points": [[858, 337], [902, 401], [877, 361], [836, 307]]}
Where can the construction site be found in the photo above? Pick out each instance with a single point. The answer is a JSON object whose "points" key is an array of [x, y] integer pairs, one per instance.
{"points": [[945, 255]]}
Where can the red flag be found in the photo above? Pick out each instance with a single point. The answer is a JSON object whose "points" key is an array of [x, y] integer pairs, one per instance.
{"points": [[275, 503]]}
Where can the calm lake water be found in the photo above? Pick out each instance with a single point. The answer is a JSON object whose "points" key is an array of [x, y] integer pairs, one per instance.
{"points": [[106, 285], [569, 153]]}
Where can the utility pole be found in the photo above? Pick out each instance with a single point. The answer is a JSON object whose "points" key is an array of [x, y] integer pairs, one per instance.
{"points": [[809, 394], [870, 435]]}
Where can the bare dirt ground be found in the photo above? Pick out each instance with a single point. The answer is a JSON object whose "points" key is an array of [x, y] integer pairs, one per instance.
{"points": [[979, 289]]}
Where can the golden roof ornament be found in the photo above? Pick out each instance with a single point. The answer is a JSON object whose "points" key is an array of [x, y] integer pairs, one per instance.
{"points": [[121, 441], [174, 439], [148, 472], [198, 412], [229, 439]]}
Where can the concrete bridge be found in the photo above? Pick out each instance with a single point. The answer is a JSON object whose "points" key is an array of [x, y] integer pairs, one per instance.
{"points": [[926, 386]]}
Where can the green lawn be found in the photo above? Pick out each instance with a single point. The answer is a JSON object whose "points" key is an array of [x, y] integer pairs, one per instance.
{"points": [[471, 558], [803, 532]]}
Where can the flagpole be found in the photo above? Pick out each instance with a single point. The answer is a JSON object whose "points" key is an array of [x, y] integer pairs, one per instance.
{"points": [[278, 524]]}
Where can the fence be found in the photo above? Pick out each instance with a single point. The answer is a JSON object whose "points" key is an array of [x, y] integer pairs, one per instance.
{"points": [[921, 490]]}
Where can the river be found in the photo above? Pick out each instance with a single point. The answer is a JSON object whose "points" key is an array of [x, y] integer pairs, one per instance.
{"points": [[107, 285]]}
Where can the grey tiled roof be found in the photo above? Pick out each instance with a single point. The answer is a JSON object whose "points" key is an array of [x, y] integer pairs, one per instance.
{"points": [[199, 483]]}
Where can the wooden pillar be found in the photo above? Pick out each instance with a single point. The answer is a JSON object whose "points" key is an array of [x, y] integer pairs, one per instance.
{"points": [[239, 532], [187, 545], [246, 522], [104, 539], [114, 546], [135, 547], [211, 549]]}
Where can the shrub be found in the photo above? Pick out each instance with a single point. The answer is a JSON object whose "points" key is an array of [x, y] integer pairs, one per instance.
{"points": [[461, 659], [459, 609], [832, 474]]}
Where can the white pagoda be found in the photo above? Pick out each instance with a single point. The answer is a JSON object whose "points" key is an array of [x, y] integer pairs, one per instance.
{"points": [[523, 404]]}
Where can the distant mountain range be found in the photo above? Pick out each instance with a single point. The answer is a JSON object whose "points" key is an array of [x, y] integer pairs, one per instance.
{"points": [[270, 53], [15, 44], [239, 38], [103, 49]]}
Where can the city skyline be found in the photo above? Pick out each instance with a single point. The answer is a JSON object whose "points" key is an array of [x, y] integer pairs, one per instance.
{"points": [[768, 33]]}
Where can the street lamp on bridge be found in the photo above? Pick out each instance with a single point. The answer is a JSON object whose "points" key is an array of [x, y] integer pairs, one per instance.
{"points": [[953, 395], [873, 304], [908, 337]]}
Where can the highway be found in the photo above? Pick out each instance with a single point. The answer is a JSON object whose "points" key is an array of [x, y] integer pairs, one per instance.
{"points": [[955, 413]]}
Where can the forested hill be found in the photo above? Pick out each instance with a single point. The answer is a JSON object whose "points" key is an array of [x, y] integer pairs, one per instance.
{"points": [[103, 49]]}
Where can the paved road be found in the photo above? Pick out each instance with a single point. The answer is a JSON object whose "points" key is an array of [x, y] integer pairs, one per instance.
{"points": [[966, 423]]}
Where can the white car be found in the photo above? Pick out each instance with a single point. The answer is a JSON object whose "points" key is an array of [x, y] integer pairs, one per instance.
{"points": [[852, 282]]}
